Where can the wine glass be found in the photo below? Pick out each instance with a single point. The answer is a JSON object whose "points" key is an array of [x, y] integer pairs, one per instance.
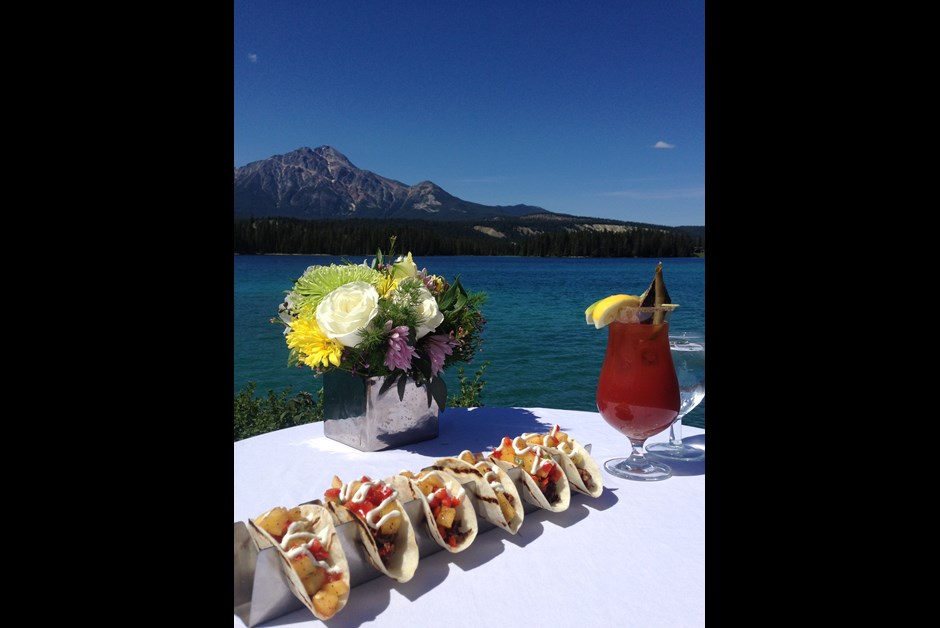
{"points": [[638, 392], [688, 355]]}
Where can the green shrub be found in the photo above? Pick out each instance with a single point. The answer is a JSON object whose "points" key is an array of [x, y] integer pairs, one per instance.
{"points": [[258, 415], [470, 390]]}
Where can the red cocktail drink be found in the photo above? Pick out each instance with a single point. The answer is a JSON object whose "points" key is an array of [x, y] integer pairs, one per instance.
{"points": [[638, 392]]}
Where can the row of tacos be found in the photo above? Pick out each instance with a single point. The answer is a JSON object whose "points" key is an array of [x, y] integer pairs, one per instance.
{"points": [[552, 465]]}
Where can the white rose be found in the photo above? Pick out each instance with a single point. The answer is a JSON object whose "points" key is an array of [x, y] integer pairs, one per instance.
{"points": [[347, 310], [429, 315]]}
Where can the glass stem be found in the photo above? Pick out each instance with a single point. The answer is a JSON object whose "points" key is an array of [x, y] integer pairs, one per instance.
{"points": [[638, 455], [675, 433]]}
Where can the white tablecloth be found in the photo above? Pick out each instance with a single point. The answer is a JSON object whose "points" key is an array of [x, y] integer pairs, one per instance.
{"points": [[635, 556]]}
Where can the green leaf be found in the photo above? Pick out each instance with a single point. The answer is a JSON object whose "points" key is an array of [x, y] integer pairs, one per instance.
{"points": [[455, 298], [449, 296], [424, 367], [389, 381], [293, 359], [402, 381], [438, 388]]}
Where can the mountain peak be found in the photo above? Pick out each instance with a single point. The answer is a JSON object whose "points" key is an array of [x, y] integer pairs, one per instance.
{"points": [[322, 183], [324, 152], [332, 155]]}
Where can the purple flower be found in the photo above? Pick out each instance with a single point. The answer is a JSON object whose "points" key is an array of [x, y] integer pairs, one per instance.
{"points": [[433, 283], [437, 347], [399, 352]]}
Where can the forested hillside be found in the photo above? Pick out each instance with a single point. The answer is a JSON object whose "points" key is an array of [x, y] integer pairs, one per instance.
{"points": [[568, 237]]}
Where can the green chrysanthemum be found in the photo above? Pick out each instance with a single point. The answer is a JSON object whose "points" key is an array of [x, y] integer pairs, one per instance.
{"points": [[319, 281]]}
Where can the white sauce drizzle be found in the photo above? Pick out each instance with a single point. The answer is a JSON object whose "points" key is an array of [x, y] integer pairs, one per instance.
{"points": [[523, 448], [293, 534], [466, 453], [344, 493], [362, 492], [535, 465], [361, 495], [489, 476], [370, 516], [565, 447], [539, 455]]}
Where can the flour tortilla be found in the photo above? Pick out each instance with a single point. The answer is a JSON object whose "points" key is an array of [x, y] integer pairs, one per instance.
{"points": [[487, 501], [571, 470], [466, 517], [533, 494], [323, 520], [403, 562]]}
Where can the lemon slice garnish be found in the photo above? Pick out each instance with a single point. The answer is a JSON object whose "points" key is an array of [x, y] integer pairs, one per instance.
{"points": [[606, 311]]}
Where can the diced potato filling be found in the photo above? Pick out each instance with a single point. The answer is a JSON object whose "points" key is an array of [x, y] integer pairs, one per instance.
{"points": [[445, 517], [326, 600], [392, 524], [430, 483], [315, 580], [275, 521], [325, 594]]}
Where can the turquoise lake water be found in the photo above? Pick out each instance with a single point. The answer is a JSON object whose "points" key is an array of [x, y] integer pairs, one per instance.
{"points": [[541, 353]]}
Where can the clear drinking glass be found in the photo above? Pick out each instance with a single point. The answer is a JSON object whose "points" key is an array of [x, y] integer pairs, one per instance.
{"points": [[638, 392], [688, 355]]}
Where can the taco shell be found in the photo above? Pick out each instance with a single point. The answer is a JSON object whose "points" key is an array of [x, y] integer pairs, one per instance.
{"points": [[533, 494], [403, 561], [322, 521], [562, 456], [465, 519], [487, 500]]}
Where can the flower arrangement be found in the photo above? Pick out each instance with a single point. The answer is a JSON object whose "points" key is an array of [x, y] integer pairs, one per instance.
{"points": [[385, 319]]}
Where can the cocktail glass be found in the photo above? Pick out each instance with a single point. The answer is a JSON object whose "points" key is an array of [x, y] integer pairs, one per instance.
{"points": [[688, 355], [638, 391]]}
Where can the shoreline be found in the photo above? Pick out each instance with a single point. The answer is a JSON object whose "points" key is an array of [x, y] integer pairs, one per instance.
{"points": [[702, 256]]}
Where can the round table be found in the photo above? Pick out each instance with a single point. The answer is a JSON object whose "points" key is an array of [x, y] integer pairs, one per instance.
{"points": [[635, 556]]}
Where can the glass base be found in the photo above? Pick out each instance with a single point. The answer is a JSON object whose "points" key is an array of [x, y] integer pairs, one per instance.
{"points": [[681, 452], [638, 469]]}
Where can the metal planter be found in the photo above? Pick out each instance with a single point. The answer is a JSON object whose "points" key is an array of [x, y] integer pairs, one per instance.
{"points": [[354, 413]]}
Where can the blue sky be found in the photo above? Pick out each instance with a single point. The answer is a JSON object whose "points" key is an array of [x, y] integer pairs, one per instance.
{"points": [[594, 108]]}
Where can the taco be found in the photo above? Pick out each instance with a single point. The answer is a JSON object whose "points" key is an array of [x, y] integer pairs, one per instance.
{"points": [[448, 512], [497, 498], [312, 556], [543, 480], [385, 530], [580, 468]]}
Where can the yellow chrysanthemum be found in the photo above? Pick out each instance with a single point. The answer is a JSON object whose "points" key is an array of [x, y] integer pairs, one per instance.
{"points": [[386, 286], [317, 350]]}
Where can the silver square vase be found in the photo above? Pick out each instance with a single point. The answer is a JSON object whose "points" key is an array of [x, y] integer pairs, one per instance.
{"points": [[354, 413]]}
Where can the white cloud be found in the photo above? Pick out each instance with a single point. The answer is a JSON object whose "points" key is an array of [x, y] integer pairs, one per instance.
{"points": [[253, 57], [662, 144]]}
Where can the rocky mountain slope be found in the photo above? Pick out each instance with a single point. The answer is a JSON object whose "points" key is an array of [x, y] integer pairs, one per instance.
{"points": [[323, 183]]}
